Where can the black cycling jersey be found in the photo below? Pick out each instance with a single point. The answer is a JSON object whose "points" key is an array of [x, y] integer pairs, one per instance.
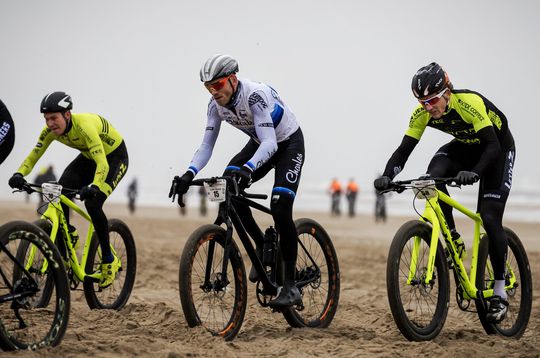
{"points": [[7, 132], [471, 119]]}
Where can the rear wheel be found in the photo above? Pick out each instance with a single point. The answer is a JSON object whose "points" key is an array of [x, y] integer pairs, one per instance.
{"points": [[317, 276], [123, 246], [28, 259], [212, 298], [419, 308], [519, 295]]}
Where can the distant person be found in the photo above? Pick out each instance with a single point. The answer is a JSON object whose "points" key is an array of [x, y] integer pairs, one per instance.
{"points": [[335, 197], [351, 194], [202, 203], [45, 175], [276, 142], [7, 132], [132, 195], [483, 147], [380, 206], [101, 164]]}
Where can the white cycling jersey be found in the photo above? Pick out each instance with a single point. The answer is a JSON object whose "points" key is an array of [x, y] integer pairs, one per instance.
{"points": [[257, 110]]}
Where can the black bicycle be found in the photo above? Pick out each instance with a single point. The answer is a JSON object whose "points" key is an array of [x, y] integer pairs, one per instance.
{"points": [[25, 323], [212, 277]]}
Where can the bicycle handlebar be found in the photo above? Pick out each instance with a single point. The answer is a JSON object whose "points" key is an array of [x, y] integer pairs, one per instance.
{"points": [[230, 181], [36, 188], [401, 185]]}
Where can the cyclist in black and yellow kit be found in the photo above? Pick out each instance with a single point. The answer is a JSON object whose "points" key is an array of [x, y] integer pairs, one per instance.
{"points": [[97, 170], [483, 147]]}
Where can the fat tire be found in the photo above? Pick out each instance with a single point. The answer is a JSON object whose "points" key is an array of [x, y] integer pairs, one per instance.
{"points": [[36, 334], [200, 304], [520, 299], [396, 278], [116, 295], [320, 298]]}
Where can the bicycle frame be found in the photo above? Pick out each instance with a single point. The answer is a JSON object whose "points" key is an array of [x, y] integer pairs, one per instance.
{"points": [[55, 215], [434, 215], [228, 215]]}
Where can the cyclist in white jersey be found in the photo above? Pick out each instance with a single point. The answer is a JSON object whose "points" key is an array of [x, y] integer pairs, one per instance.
{"points": [[276, 142]]}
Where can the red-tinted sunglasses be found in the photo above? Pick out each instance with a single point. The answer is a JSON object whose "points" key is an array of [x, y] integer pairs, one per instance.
{"points": [[432, 100], [218, 84]]}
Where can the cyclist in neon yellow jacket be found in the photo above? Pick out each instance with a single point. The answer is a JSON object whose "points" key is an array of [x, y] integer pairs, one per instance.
{"points": [[483, 148], [97, 170]]}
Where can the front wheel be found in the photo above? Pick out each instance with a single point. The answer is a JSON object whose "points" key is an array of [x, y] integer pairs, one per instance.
{"points": [[211, 296], [28, 259], [519, 294], [419, 308], [123, 246], [317, 275]]}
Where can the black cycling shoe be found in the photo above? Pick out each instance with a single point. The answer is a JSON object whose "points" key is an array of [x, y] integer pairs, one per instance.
{"points": [[286, 298], [497, 309]]}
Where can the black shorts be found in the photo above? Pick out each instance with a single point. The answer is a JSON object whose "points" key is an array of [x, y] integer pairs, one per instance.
{"points": [[495, 183], [288, 161], [81, 171]]}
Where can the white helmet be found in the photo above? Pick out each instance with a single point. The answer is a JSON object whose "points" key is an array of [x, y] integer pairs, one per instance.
{"points": [[218, 66]]}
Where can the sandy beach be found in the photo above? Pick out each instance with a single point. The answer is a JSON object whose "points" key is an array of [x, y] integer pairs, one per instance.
{"points": [[152, 323]]}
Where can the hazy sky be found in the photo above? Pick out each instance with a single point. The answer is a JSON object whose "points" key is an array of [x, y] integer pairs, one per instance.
{"points": [[344, 67]]}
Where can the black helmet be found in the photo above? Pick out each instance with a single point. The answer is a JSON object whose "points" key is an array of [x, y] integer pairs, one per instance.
{"points": [[430, 79], [56, 102], [218, 66]]}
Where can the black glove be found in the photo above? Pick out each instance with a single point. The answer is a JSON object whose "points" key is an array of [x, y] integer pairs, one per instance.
{"points": [[243, 177], [382, 183], [180, 186], [88, 192], [17, 181], [466, 178]]}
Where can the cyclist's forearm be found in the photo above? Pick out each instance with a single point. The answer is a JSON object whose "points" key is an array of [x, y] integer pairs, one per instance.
{"points": [[397, 161]]}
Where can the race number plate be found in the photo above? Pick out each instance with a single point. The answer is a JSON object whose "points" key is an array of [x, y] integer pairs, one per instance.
{"points": [[51, 192], [424, 189], [216, 191]]}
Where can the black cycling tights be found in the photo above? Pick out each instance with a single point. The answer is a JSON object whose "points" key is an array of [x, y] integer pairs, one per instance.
{"points": [[94, 207], [492, 212]]}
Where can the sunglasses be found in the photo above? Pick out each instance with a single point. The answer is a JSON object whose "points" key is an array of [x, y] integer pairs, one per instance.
{"points": [[432, 100], [218, 84]]}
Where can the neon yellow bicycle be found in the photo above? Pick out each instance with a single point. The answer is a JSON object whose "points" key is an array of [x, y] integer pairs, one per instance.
{"points": [[87, 268], [417, 271]]}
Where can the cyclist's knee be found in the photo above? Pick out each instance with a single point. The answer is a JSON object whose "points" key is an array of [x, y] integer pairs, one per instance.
{"points": [[492, 216], [95, 204], [281, 204]]}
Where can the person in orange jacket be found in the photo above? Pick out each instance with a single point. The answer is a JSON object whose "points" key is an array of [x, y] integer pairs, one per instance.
{"points": [[350, 194], [335, 195]]}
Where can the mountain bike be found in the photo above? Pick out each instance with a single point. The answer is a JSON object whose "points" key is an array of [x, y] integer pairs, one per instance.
{"points": [[87, 269], [212, 276], [417, 272], [25, 324]]}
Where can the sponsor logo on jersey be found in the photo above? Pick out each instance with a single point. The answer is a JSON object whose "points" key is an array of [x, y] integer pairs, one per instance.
{"points": [[255, 98], [4, 130]]}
